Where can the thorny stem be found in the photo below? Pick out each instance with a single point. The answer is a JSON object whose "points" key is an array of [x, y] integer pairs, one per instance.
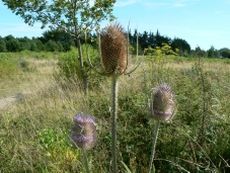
{"points": [[155, 135], [85, 161], [114, 122], [205, 102]]}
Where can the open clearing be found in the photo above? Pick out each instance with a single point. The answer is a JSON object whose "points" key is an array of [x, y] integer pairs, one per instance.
{"points": [[35, 79], [36, 111]]}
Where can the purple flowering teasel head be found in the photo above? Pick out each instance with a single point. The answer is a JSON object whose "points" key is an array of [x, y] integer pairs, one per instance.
{"points": [[83, 133], [163, 104]]}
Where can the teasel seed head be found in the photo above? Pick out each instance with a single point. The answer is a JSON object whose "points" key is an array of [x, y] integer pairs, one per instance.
{"points": [[114, 50], [83, 132], [163, 105]]}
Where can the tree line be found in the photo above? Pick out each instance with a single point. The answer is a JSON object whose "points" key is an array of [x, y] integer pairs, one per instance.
{"points": [[50, 41], [179, 46], [57, 40]]}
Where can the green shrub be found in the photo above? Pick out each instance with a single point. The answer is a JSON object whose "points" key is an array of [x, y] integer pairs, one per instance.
{"points": [[8, 65], [69, 67]]}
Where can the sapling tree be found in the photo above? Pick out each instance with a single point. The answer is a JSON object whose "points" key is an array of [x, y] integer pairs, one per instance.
{"points": [[73, 16]]}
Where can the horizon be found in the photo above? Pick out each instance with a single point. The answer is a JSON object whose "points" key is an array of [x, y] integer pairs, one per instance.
{"points": [[200, 23]]}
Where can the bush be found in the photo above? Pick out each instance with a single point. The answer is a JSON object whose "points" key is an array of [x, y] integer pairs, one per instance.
{"points": [[8, 65], [69, 67], [225, 52], [2, 45], [53, 46], [12, 44]]}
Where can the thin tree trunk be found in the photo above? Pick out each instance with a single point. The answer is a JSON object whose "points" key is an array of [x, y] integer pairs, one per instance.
{"points": [[80, 56], [84, 76]]}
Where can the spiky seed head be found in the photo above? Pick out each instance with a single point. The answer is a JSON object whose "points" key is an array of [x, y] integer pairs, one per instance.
{"points": [[163, 103], [83, 132], [114, 49]]}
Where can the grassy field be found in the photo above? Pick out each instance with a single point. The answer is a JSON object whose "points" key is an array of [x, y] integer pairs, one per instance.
{"points": [[37, 106]]}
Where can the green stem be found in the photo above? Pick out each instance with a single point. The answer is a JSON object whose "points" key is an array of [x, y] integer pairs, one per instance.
{"points": [[155, 135], [85, 161], [114, 122]]}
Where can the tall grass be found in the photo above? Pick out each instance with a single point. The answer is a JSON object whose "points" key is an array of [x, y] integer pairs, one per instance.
{"points": [[34, 130]]}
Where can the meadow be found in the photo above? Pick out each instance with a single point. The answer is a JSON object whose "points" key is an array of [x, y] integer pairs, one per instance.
{"points": [[37, 104]]}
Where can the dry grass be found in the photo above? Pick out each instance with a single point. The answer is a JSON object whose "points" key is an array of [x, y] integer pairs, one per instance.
{"points": [[28, 82], [36, 115]]}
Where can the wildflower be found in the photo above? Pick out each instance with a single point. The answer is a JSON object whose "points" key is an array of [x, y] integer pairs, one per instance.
{"points": [[83, 133], [163, 103]]}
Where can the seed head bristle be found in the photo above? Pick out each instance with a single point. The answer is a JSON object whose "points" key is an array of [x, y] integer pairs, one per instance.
{"points": [[163, 103], [114, 49]]}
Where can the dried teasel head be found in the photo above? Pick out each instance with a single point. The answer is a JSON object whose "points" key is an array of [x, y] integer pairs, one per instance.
{"points": [[114, 50], [163, 105], [83, 133]]}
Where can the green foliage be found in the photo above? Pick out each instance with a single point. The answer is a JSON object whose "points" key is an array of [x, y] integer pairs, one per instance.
{"points": [[34, 133], [212, 53], [68, 64], [2, 45], [70, 15], [25, 43], [198, 52], [53, 46], [12, 44], [36, 148], [8, 65], [149, 51], [225, 52], [37, 45], [160, 51], [59, 36], [75, 17], [182, 45], [49, 139], [69, 67], [147, 40]]}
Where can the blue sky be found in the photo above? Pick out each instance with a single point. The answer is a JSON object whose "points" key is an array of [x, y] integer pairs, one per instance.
{"points": [[200, 22]]}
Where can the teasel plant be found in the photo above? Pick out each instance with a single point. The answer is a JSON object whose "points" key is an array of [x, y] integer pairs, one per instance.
{"points": [[114, 50], [162, 109], [83, 135]]}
